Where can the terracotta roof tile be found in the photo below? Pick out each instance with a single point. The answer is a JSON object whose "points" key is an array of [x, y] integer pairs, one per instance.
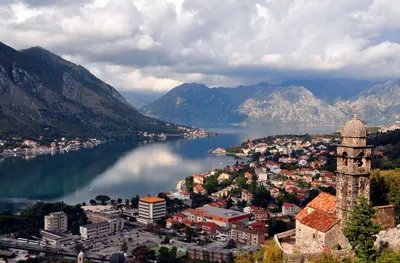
{"points": [[324, 202], [320, 221], [303, 213]]}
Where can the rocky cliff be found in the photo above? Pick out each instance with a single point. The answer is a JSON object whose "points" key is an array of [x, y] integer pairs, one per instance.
{"points": [[43, 94], [289, 105], [378, 105], [196, 104]]}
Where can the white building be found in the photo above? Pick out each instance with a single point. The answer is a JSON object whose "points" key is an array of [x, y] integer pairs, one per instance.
{"points": [[96, 230], [290, 209], [102, 228], [56, 222], [56, 239], [151, 209], [261, 173]]}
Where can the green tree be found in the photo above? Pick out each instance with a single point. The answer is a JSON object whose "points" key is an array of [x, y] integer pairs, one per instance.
{"points": [[388, 257], [103, 199], [135, 201], [261, 196], [78, 247], [189, 234], [241, 181], [74, 228], [361, 231], [211, 184], [163, 255], [189, 183], [231, 244], [166, 240], [272, 253], [92, 202], [143, 254], [124, 247], [230, 258], [173, 253]]}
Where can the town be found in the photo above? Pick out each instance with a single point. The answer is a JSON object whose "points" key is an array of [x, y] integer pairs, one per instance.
{"points": [[17, 146], [210, 215], [280, 190]]}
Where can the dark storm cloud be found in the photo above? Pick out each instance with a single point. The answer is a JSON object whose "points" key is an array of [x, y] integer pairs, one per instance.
{"points": [[160, 43]]}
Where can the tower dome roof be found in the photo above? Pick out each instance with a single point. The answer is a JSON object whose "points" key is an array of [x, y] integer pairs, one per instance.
{"points": [[354, 128]]}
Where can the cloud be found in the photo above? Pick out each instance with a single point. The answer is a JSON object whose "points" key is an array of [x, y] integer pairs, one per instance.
{"points": [[132, 44]]}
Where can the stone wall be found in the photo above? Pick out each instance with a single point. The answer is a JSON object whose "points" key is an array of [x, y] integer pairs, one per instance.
{"points": [[308, 257], [386, 217]]}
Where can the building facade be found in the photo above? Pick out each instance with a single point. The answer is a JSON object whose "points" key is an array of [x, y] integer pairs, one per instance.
{"points": [[220, 216], [151, 209], [96, 230], [248, 236], [56, 222]]}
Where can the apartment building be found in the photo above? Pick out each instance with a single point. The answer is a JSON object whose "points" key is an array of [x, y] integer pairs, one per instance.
{"points": [[56, 222], [151, 209], [95, 230], [249, 236]]}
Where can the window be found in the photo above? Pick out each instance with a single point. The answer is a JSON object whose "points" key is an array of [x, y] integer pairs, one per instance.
{"points": [[344, 159], [359, 159]]}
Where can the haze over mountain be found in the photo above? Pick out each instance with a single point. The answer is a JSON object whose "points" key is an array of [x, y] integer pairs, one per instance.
{"points": [[43, 94], [196, 104], [140, 99], [380, 104], [332, 89]]}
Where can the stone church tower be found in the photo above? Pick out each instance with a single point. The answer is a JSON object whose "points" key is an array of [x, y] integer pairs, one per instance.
{"points": [[81, 257], [353, 167]]}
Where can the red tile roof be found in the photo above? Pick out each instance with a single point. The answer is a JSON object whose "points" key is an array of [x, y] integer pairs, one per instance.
{"points": [[320, 221], [248, 175], [287, 205], [257, 225], [324, 202], [303, 213], [181, 215], [198, 188], [188, 222], [210, 225]]}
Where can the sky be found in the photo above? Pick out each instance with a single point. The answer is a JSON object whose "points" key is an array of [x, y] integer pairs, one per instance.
{"points": [[155, 45]]}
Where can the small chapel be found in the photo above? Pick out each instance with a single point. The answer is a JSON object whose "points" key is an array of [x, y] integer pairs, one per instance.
{"points": [[320, 224]]}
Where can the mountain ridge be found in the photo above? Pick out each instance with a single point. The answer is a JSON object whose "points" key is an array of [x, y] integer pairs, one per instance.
{"points": [[43, 94], [276, 104]]}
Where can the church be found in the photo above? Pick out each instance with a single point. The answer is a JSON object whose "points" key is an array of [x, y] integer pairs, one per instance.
{"points": [[319, 226]]}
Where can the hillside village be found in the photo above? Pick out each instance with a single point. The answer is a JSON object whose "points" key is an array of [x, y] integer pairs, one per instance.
{"points": [[282, 175]]}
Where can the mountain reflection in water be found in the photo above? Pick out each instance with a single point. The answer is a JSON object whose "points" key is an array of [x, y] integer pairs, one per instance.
{"points": [[122, 169]]}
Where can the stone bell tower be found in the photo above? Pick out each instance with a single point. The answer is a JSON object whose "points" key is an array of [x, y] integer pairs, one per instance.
{"points": [[353, 167], [81, 257]]}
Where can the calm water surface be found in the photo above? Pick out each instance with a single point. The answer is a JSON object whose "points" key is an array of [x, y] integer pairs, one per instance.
{"points": [[122, 169]]}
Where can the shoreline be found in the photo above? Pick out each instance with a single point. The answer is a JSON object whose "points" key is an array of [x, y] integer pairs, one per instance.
{"points": [[34, 150]]}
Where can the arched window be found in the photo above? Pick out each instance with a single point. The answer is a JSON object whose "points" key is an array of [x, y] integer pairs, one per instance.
{"points": [[344, 159], [359, 159]]}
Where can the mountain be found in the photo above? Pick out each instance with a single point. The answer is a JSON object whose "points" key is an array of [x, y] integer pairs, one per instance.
{"points": [[378, 105], [193, 103], [332, 90], [43, 94], [196, 104], [140, 99], [289, 105]]}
